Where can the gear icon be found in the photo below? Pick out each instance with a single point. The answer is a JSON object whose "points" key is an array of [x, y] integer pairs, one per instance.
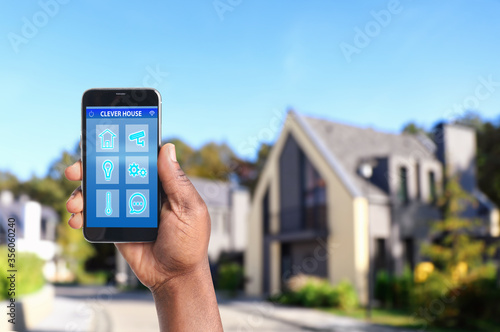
{"points": [[143, 172], [133, 169]]}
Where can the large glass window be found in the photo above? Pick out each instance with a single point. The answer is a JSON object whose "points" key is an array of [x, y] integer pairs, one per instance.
{"points": [[313, 197]]}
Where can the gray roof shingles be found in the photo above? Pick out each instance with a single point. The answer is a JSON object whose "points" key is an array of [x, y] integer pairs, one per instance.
{"points": [[351, 144], [213, 192]]}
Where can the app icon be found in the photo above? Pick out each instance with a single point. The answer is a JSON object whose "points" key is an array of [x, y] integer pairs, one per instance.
{"points": [[107, 138], [137, 170], [107, 203], [138, 137], [134, 170], [137, 203], [107, 170], [108, 210], [107, 167]]}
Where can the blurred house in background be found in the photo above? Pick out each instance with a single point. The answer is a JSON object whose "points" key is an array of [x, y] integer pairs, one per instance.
{"points": [[35, 230], [228, 205], [334, 199]]}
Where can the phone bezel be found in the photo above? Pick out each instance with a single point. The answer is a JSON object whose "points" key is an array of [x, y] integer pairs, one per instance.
{"points": [[118, 97]]}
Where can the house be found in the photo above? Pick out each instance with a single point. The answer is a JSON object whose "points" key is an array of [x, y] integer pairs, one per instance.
{"points": [[36, 227], [107, 139], [228, 205], [334, 199]]}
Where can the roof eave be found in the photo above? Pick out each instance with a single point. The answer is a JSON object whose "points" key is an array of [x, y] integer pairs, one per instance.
{"points": [[332, 161]]}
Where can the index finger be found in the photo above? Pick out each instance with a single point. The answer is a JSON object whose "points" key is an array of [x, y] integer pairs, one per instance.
{"points": [[74, 172]]}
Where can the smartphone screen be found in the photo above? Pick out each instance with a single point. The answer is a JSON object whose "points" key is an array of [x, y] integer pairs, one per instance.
{"points": [[120, 172]]}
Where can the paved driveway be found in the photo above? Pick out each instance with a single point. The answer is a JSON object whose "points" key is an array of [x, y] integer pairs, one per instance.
{"points": [[104, 309]]}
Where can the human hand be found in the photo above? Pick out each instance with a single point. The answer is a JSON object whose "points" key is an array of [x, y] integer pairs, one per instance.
{"points": [[180, 249]]}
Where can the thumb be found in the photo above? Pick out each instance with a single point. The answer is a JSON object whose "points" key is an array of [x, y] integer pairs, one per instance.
{"points": [[181, 193]]}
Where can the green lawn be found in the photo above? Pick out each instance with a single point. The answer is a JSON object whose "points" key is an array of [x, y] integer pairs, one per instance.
{"points": [[391, 317]]}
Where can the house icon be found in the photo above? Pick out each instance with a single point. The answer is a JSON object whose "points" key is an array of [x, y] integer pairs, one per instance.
{"points": [[107, 139]]}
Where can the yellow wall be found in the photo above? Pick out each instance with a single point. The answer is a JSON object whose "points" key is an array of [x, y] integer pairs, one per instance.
{"points": [[253, 255]]}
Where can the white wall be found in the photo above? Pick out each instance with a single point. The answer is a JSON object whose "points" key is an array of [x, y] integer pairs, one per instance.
{"points": [[239, 216]]}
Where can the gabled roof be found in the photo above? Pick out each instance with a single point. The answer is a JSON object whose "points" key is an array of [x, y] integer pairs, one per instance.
{"points": [[347, 145]]}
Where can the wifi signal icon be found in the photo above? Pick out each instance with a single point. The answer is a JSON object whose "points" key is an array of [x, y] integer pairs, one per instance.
{"points": [[151, 113]]}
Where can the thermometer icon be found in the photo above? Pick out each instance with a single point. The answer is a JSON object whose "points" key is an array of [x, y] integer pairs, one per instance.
{"points": [[108, 209]]}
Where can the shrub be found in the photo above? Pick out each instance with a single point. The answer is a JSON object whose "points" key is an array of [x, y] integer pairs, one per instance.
{"points": [[471, 303], [310, 291], [348, 299], [310, 295], [383, 288], [230, 277], [394, 291], [402, 289], [476, 300], [29, 276], [442, 300]]}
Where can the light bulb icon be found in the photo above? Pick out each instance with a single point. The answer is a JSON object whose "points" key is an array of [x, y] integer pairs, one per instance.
{"points": [[107, 167]]}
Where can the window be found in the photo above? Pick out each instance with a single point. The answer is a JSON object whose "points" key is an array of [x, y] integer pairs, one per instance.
{"points": [[380, 255], [265, 213], [286, 262], [313, 196], [408, 253], [432, 186], [403, 185], [419, 189]]}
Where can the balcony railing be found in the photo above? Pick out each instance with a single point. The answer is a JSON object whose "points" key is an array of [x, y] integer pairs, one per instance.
{"points": [[312, 218]]}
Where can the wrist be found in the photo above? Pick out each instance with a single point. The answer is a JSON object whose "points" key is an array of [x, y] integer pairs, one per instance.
{"points": [[194, 277], [187, 302]]}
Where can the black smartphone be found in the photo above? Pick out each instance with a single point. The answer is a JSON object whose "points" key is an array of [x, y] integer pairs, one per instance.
{"points": [[120, 144]]}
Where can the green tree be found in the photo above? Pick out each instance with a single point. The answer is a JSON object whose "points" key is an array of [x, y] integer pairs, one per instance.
{"points": [[471, 119], [8, 181], [412, 128], [183, 151], [212, 161], [219, 162], [464, 280], [454, 242]]}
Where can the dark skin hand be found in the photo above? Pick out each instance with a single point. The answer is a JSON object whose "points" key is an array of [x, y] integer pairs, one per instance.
{"points": [[174, 267]]}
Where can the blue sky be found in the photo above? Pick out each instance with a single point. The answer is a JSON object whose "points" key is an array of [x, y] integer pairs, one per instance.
{"points": [[228, 79]]}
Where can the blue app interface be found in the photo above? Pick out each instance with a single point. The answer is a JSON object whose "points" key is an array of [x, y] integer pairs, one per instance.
{"points": [[121, 174]]}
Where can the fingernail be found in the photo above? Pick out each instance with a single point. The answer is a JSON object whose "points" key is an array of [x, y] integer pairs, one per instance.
{"points": [[171, 151], [71, 196]]}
